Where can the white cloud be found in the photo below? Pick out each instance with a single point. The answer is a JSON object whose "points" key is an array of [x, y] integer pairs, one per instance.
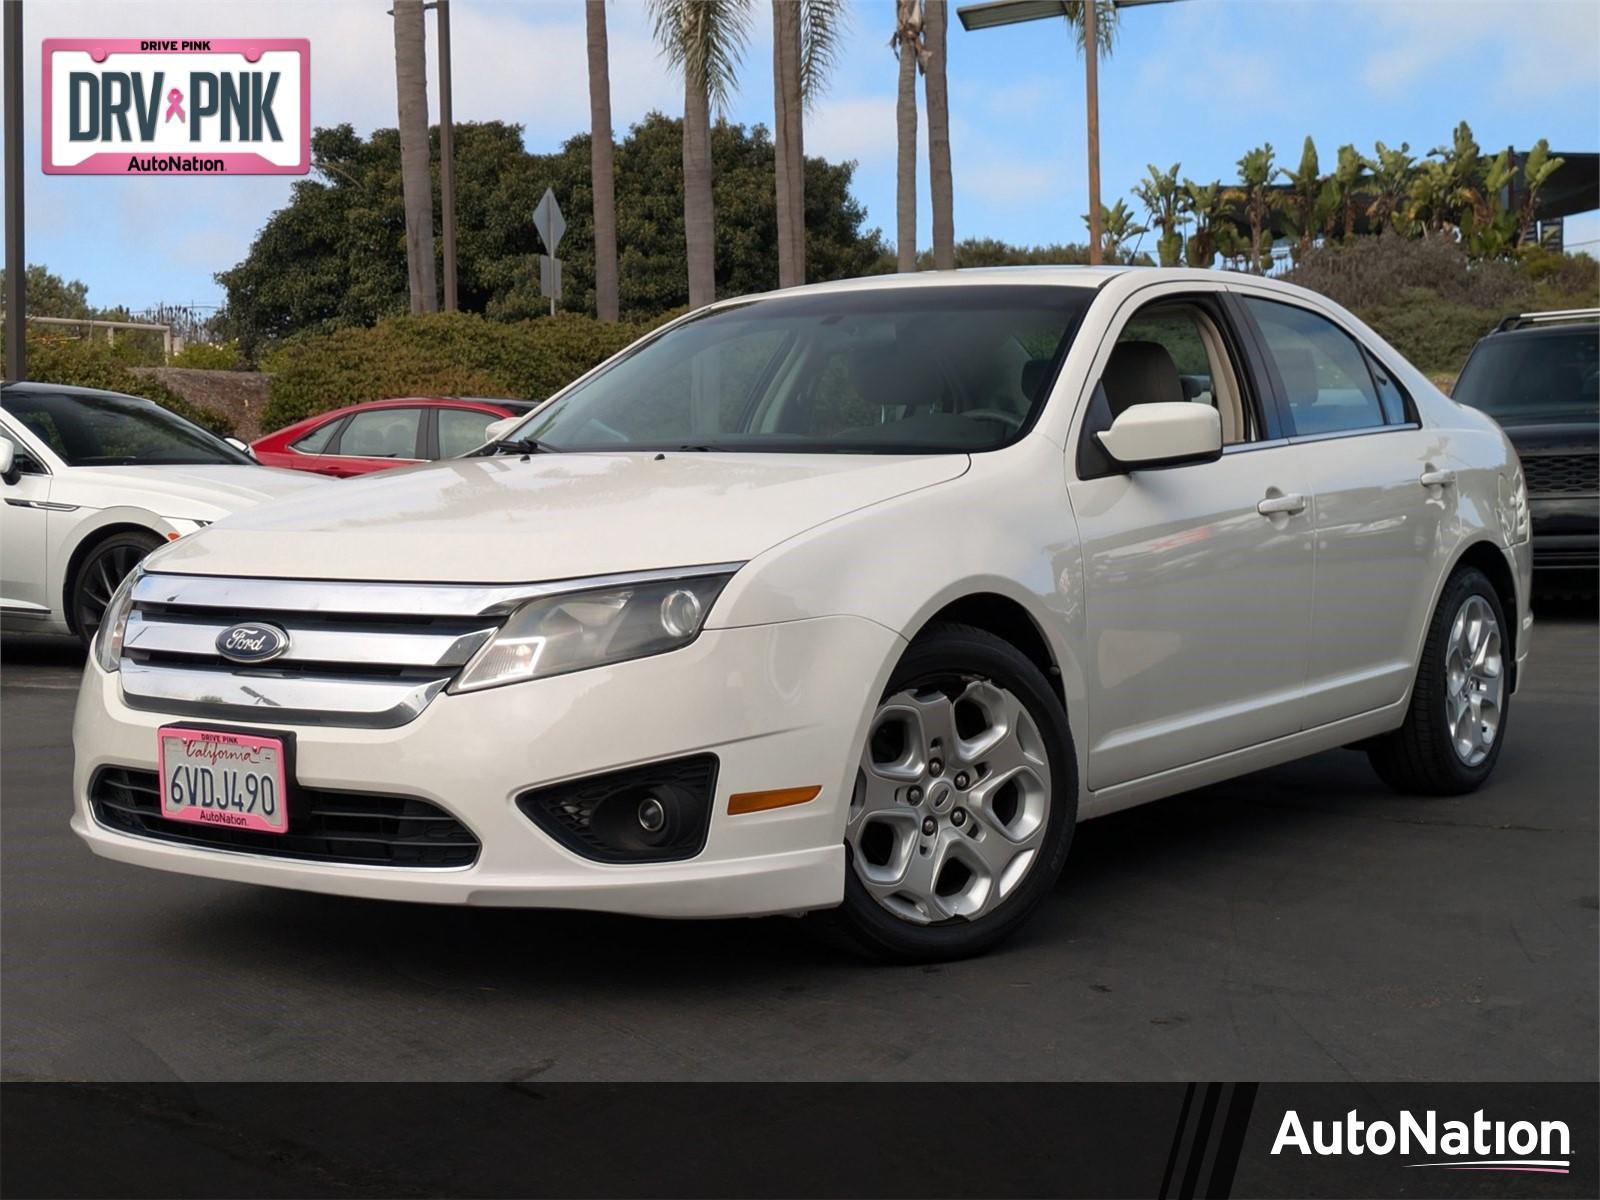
{"points": [[859, 127]]}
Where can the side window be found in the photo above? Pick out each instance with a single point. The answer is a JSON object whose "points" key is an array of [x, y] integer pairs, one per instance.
{"points": [[1324, 372], [461, 430], [382, 433], [316, 442], [1390, 396]]}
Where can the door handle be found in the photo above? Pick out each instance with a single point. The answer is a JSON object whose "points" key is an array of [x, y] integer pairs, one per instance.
{"points": [[1282, 505], [1437, 479]]}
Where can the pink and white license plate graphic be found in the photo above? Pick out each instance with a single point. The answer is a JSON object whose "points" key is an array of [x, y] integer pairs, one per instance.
{"points": [[171, 106], [235, 780]]}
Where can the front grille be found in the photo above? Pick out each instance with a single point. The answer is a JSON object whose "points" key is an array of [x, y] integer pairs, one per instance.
{"points": [[324, 826], [358, 654], [1562, 474]]}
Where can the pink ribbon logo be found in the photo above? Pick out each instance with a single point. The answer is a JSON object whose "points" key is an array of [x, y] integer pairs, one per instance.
{"points": [[175, 105]]}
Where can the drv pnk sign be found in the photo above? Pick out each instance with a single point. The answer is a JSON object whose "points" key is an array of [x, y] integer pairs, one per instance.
{"points": [[160, 106]]}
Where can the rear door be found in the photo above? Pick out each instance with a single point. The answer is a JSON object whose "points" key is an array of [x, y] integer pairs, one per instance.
{"points": [[1197, 578], [1382, 486], [375, 439]]}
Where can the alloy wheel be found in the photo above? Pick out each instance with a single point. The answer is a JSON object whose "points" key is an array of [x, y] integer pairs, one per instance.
{"points": [[1474, 680], [99, 579], [952, 800]]}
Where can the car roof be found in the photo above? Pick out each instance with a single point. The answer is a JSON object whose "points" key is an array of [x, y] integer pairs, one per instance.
{"points": [[36, 387]]}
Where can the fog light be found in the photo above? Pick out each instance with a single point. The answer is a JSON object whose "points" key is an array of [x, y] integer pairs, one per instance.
{"points": [[651, 815], [658, 812]]}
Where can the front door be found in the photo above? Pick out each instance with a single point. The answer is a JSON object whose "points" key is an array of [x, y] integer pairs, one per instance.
{"points": [[1197, 579]]}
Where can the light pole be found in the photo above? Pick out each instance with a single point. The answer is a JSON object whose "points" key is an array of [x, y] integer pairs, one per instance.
{"points": [[16, 258], [992, 13]]}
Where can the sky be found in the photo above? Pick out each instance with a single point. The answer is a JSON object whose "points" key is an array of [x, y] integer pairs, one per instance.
{"points": [[1196, 82]]}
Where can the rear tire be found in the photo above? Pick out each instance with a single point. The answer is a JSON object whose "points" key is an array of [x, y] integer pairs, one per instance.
{"points": [[965, 803], [1456, 722], [104, 567]]}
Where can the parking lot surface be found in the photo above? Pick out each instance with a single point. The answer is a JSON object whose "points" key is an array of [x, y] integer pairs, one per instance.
{"points": [[1299, 923]]}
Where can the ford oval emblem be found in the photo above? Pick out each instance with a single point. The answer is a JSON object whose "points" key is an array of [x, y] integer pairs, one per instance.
{"points": [[252, 643]]}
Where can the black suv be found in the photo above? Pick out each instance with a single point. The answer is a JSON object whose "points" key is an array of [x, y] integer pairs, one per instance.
{"points": [[1539, 376]]}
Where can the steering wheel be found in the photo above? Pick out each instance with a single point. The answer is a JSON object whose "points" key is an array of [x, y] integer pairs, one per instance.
{"points": [[1010, 420]]}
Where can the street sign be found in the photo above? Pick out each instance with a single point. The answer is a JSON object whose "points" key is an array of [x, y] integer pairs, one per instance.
{"points": [[547, 219]]}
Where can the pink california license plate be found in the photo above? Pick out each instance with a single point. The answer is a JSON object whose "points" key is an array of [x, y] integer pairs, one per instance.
{"points": [[230, 779]]}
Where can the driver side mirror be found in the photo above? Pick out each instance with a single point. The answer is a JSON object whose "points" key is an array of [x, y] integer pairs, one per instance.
{"points": [[8, 461], [495, 430], [1163, 434], [240, 446]]}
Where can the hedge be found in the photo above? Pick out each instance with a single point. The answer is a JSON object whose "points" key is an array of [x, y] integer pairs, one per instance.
{"points": [[86, 362], [438, 354]]}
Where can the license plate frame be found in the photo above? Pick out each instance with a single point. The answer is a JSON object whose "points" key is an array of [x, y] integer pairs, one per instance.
{"points": [[257, 799]]}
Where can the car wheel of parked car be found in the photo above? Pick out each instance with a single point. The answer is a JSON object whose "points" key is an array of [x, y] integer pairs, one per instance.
{"points": [[1457, 720], [97, 577], [964, 804]]}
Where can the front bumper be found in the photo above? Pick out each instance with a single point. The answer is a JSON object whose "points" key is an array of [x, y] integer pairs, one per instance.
{"points": [[783, 705], [1566, 532]]}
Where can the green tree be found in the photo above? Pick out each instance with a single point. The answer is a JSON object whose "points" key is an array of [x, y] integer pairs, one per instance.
{"points": [[1117, 229], [1206, 205], [1310, 199], [1259, 201], [1392, 172], [335, 255], [1345, 192], [49, 295], [1536, 171], [1105, 16], [1162, 198]]}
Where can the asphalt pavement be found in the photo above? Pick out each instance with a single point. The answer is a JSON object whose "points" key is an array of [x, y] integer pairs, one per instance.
{"points": [[1302, 923]]}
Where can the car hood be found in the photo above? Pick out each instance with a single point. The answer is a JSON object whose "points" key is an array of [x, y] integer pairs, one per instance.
{"points": [[552, 516], [187, 491], [1554, 437]]}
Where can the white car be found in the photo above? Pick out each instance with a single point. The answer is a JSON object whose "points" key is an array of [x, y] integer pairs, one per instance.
{"points": [[92, 482], [854, 597]]}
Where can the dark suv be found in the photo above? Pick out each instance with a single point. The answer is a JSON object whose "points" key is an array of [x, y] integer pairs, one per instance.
{"points": [[1539, 376]]}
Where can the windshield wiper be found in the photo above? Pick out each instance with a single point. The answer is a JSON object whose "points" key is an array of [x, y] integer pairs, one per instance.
{"points": [[523, 446], [702, 449]]}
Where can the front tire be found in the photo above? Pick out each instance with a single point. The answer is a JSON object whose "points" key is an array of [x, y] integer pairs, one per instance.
{"points": [[965, 802], [104, 567], [1456, 722]]}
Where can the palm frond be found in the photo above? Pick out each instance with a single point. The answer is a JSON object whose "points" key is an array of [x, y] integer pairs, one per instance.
{"points": [[1105, 15], [704, 39], [823, 24]]}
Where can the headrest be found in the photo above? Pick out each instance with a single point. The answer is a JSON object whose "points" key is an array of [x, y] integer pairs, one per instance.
{"points": [[1140, 373], [1034, 373]]}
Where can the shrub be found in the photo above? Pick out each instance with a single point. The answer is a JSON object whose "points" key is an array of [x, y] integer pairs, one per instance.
{"points": [[439, 354], [1435, 335], [79, 362], [206, 357]]}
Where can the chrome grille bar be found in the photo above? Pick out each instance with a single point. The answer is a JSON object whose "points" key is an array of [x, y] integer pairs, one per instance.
{"points": [[402, 647]]}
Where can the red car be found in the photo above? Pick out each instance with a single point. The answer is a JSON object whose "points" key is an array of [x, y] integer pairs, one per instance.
{"points": [[385, 433]]}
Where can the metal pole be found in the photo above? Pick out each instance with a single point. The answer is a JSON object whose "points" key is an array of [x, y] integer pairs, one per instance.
{"points": [[16, 255], [1091, 71], [447, 159]]}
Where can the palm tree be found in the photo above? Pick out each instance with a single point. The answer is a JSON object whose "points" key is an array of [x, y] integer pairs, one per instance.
{"points": [[1392, 171], [1162, 199], [1206, 204], [940, 179], [602, 178], [1345, 190], [910, 48], [1117, 228], [1259, 200], [805, 43], [1105, 23], [703, 39], [1536, 171], [416, 178], [1308, 196]]}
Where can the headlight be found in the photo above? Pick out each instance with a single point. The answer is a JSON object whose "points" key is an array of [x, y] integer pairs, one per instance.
{"points": [[114, 622], [572, 631]]}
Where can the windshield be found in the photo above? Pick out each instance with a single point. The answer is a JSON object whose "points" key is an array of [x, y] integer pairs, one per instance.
{"points": [[1543, 377], [106, 429], [905, 370]]}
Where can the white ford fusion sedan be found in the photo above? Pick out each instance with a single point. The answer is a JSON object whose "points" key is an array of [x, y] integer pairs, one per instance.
{"points": [[855, 597]]}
